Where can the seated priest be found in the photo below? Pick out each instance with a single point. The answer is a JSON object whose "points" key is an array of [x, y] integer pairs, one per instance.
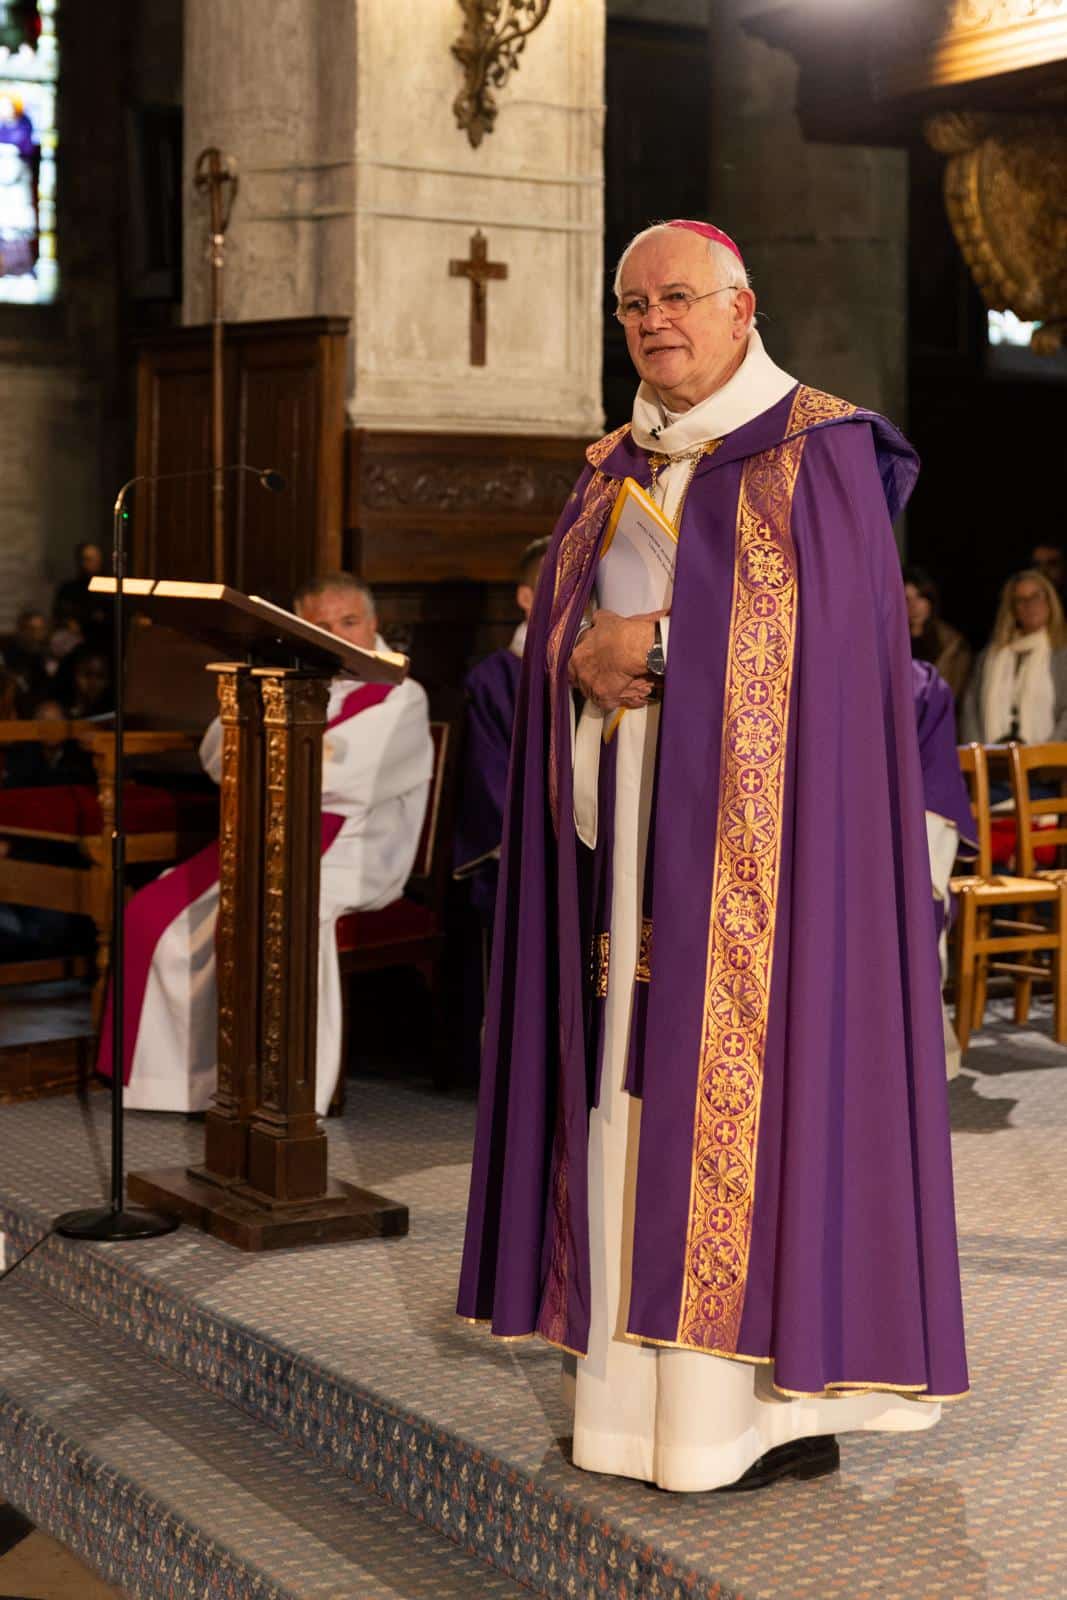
{"points": [[712, 1160], [491, 687], [376, 769]]}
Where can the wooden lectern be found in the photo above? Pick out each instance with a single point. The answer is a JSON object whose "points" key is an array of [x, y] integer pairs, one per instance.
{"points": [[264, 1181]]}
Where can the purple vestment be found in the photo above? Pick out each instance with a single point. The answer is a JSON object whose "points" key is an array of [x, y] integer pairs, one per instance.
{"points": [[492, 687], [944, 790], [794, 1188]]}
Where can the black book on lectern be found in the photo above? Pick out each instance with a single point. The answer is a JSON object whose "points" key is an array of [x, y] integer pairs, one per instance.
{"points": [[243, 627]]}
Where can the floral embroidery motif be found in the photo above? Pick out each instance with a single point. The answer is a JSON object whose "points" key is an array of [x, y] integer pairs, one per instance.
{"points": [[744, 890], [601, 961], [643, 972], [577, 549], [813, 406], [552, 1321], [598, 453]]}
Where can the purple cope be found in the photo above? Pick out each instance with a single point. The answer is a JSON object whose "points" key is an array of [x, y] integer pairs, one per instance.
{"points": [[794, 1197]]}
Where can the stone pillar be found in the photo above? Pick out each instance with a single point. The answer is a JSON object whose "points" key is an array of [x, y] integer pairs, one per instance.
{"points": [[358, 189], [824, 228]]}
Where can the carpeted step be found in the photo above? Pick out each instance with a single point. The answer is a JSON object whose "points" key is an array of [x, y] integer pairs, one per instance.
{"points": [[166, 1491]]}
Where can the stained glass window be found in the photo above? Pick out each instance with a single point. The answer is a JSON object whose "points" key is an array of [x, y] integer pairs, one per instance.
{"points": [[29, 67]]}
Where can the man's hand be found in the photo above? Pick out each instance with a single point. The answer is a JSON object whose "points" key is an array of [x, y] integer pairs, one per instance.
{"points": [[609, 662]]}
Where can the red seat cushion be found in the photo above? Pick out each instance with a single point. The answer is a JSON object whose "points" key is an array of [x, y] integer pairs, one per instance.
{"points": [[74, 809], [1002, 838], [402, 922]]}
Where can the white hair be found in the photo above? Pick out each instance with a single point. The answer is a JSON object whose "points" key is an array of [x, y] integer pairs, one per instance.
{"points": [[729, 271]]}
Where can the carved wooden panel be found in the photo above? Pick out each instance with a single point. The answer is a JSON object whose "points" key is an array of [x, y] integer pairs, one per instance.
{"points": [[285, 409], [425, 507]]}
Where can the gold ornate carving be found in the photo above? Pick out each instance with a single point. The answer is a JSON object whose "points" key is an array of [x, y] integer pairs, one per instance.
{"points": [[744, 892], [274, 691], [493, 38], [1005, 188], [968, 41]]}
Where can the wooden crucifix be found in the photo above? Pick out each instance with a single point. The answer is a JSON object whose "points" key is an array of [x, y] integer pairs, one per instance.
{"points": [[479, 269]]}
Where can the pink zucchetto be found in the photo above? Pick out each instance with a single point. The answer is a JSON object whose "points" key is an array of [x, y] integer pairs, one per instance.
{"points": [[707, 231]]}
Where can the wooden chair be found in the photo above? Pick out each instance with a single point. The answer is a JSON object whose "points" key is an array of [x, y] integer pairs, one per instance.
{"points": [[170, 700], [980, 934], [162, 828], [411, 932]]}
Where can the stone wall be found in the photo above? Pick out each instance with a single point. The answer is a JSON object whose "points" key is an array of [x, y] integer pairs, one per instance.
{"points": [[66, 399], [358, 188], [823, 227]]}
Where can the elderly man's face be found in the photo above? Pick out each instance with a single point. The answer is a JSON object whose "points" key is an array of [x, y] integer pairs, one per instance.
{"points": [[343, 612], [684, 361]]}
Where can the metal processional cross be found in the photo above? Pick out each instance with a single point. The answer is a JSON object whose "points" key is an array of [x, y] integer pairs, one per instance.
{"points": [[479, 269], [216, 176]]}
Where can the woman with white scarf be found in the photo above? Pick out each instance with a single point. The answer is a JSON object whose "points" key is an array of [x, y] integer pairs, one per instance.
{"points": [[1019, 688]]}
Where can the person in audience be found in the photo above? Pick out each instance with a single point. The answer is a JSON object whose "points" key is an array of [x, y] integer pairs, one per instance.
{"points": [[933, 639], [377, 764], [1050, 559], [1019, 686], [73, 599], [491, 690], [9, 695], [66, 636], [41, 764], [34, 932], [84, 683], [29, 659]]}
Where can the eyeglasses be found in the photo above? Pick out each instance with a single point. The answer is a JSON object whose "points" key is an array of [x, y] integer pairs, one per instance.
{"points": [[634, 308]]}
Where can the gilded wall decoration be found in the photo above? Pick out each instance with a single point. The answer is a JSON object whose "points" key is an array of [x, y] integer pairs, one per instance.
{"points": [[1006, 196], [493, 38]]}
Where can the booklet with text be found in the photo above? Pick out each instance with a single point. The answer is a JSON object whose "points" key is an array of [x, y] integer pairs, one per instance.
{"points": [[636, 571]]}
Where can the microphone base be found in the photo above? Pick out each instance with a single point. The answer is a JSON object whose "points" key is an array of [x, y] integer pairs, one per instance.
{"points": [[107, 1225]]}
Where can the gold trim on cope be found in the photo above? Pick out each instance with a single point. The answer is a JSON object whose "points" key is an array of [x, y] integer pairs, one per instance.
{"points": [[741, 931], [601, 961], [643, 972]]}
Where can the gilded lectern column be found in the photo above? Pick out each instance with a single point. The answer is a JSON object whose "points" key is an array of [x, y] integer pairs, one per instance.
{"points": [[286, 1146], [237, 931]]}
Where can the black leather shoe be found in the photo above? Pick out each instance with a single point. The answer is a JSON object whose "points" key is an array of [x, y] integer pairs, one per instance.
{"points": [[801, 1458]]}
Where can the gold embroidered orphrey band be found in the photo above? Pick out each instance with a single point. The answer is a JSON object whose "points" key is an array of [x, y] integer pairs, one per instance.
{"points": [[759, 669]]}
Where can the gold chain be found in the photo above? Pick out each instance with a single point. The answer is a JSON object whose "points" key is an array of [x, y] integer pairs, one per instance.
{"points": [[656, 463]]}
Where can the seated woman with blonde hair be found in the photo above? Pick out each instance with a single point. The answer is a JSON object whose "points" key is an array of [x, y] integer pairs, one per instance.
{"points": [[1019, 687]]}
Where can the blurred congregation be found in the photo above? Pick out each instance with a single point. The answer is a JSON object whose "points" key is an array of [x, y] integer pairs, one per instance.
{"points": [[990, 684]]}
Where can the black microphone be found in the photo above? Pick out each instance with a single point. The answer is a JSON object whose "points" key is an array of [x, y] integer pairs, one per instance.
{"points": [[117, 1220], [268, 479]]}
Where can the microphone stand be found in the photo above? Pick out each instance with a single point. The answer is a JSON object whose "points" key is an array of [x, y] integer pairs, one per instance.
{"points": [[117, 1220]]}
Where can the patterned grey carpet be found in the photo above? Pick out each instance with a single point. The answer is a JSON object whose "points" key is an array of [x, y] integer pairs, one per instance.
{"points": [[968, 1511]]}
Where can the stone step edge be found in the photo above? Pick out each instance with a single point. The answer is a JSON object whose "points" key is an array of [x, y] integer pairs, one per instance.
{"points": [[102, 1516], [491, 1510]]}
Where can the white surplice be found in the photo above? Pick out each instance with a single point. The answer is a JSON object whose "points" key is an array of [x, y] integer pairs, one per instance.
{"points": [[678, 1418], [375, 773]]}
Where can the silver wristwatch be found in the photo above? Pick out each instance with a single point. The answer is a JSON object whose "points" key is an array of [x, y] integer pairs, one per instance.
{"points": [[656, 661]]}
